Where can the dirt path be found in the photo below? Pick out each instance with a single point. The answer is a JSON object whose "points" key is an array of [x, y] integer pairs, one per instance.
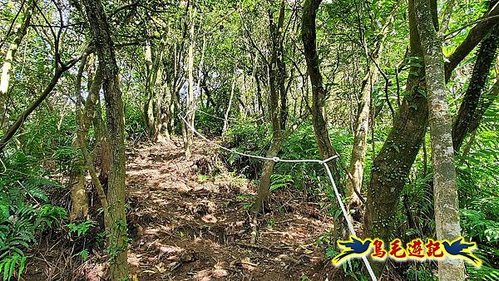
{"points": [[190, 222]]}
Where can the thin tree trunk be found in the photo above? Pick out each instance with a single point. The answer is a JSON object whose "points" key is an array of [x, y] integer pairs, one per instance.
{"points": [[79, 197], [326, 149], [83, 119], [101, 150], [467, 111], [154, 90], [166, 111], [359, 149], [277, 90], [265, 178], [149, 103], [226, 115], [446, 202], [8, 61], [114, 214], [190, 93]]}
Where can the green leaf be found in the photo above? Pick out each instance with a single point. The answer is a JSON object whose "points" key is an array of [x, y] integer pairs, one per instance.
{"points": [[6, 267], [13, 265], [22, 265]]}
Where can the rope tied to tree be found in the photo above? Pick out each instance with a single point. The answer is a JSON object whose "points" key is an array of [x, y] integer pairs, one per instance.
{"points": [[276, 160]]}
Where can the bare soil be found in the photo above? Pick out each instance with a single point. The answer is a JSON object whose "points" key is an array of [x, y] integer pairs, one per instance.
{"points": [[193, 222], [189, 220]]}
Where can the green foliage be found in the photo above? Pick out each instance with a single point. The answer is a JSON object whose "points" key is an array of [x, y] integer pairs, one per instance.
{"points": [[237, 46], [477, 225], [280, 181], [25, 211], [9, 265], [246, 137], [84, 254], [484, 273], [135, 127], [479, 200], [80, 228], [19, 225], [420, 272], [50, 133], [208, 122], [300, 144], [249, 137]]}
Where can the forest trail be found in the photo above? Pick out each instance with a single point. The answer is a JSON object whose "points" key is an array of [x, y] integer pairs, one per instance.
{"points": [[190, 221]]}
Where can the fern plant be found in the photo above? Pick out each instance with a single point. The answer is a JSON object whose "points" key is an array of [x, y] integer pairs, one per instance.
{"points": [[25, 211]]}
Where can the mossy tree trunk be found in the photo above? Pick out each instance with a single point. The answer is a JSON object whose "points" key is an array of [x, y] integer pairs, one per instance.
{"points": [[276, 102], [153, 106], [114, 214], [87, 115], [79, 197], [308, 35], [446, 201], [392, 165], [22, 29]]}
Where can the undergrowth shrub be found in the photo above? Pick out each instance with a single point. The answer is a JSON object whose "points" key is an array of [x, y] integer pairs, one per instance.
{"points": [[301, 144], [249, 138], [208, 122], [25, 211], [135, 126]]}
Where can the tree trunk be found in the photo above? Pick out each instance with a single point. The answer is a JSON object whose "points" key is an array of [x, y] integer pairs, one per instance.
{"points": [[446, 202], [467, 111], [226, 115], [79, 197], [114, 214], [265, 181], [154, 91], [83, 119], [7, 63], [356, 167], [392, 165], [308, 35], [101, 150], [190, 101], [276, 91]]}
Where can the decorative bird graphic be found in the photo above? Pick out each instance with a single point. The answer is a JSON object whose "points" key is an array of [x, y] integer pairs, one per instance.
{"points": [[352, 247], [460, 248]]}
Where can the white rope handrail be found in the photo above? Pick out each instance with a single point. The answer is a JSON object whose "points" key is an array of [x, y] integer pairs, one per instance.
{"points": [[277, 159]]}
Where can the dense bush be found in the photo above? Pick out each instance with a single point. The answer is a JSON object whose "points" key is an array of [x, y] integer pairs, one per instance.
{"points": [[250, 138], [208, 122], [135, 126]]}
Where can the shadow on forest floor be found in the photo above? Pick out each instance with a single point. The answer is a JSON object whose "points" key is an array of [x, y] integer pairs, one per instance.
{"points": [[193, 224], [189, 220]]}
